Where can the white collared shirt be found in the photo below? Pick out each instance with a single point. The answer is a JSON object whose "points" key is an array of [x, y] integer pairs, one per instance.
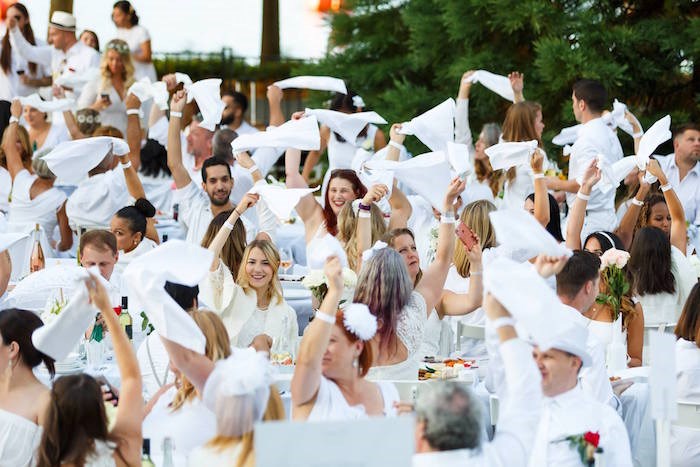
{"points": [[688, 189], [517, 421], [575, 413]]}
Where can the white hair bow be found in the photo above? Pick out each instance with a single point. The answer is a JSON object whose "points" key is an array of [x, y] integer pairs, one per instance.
{"points": [[368, 254]]}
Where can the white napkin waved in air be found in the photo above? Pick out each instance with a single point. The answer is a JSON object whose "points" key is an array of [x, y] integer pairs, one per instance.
{"points": [[280, 200], [428, 175], [72, 160], [497, 83], [657, 134], [458, 157], [346, 125], [613, 174], [174, 261], [56, 105], [207, 94], [317, 83], [506, 155], [318, 252], [519, 231], [616, 118], [73, 80], [567, 135], [435, 127], [300, 134], [145, 90]]}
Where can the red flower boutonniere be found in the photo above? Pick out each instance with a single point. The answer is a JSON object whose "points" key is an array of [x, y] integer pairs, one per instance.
{"points": [[587, 445]]}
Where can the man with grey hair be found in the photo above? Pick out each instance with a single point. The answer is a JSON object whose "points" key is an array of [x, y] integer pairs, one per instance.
{"points": [[448, 428]]}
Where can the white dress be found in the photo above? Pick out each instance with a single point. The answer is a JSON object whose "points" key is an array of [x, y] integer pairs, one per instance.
{"points": [[410, 329], [5, 187], [685, 442], [135, 36], [460, 285], [103, 455], [115, 114], [341, 154], [331, 405], [19, 439], [58, 133], [42, 209]]}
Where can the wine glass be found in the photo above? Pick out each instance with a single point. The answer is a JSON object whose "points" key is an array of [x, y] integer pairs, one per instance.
{"points": [[286, 259]]}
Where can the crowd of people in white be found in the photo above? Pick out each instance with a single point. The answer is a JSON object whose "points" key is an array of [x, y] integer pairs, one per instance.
{"points": [[482, 250]]}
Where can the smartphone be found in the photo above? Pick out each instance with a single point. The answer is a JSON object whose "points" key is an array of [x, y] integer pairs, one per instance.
{"points": [[20, 72], [108, 388], [105, 96], [466, 235]]}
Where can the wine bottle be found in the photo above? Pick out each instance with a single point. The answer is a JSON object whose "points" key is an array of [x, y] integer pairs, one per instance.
{"points": [[146, 460], [125, 319], [36, 260]]}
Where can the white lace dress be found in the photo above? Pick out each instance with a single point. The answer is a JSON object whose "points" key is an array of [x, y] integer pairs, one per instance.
{"points": [[102, 456], [19, 438], [331, 405], [410, 329]]}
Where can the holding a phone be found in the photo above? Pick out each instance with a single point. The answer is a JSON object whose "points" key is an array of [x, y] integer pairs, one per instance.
{"points": [[467, 236]]}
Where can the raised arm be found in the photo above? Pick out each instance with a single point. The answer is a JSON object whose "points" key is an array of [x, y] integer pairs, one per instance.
{"points": [[679, 232], [517, 83], [72, 125], [463, 133], [12, 155], [574, 225], [217, 244], [40, 54], [127, 426], [541, 195], [313, 157], [453, 304], [430, 286], [307, 373], [626, 228], [177, 168], [274, 99], [195, 366], [133, 130], [638, 131], [364, 221]]}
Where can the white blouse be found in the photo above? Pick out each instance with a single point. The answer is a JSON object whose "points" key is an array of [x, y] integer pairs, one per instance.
{"points": [[115, 114], [331, 405], [19, 439]]}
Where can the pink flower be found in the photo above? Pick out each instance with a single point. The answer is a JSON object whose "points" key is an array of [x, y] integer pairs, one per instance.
{"points": [[614, 257]]}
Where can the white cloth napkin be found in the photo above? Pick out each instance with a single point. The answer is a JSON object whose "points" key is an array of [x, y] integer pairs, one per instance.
{"points": [[159, 131], [518, 230], [280, 200], [174, 261], [428, 175], [567, 135], [207, 93], [458, 157], [346, 125], [56, 105], [145, 90], [183, 78], [58, 338], [317, 83], [9, 239], [493, 82], [300, 134], [71, 79], [616, 118], [435, 127], [321, 250], [370, 177], [613, 174], [507, 155], [658, 133], [72, 160]]}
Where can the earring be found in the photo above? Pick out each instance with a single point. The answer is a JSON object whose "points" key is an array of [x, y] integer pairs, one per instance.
{"points": [[356, 363]]}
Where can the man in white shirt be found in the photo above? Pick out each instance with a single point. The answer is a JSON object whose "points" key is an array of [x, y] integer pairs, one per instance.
{"points": [[595, 138], [232, 117], [683, 169], [577, 288], [448, 422], [66, 53], [568, 411]]}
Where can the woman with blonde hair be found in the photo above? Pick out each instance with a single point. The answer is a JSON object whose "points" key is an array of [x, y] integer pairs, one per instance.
{"points": [[348, 231], [107, 93], [233, 249], [251, 305], [176, 410]]}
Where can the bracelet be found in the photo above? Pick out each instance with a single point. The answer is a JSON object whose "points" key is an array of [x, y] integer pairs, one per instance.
{"points": [[447, 219], [582, 196], [176, 114], [14, 119], [636, 202], [252, 169], [126, 165], [537, 176], [638, 135], [476, 273], [325, 318], [364, 207], [666, 187], [134, 112], [398, 146], [228, 225], [503, 321], [364, 214]]}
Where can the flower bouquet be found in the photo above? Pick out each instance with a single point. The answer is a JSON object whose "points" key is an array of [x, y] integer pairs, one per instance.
{"points": [[611, 266], [317, 283]]}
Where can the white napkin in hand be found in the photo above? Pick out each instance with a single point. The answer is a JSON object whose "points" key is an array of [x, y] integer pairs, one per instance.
{"points": [[183, 78], [322, 249], [56, 105], [72, 160], [567, 135], [145, 90], [496, 83], [435, 127], [174, 261], [658, 133], [428, 175], [612, 175], [519, 231], [317, 83], [299, 134], [207, 93], [346, 125], [280, 200], [616, 118], [458, 157], [58, 338], [507, 155], [72, 80]]}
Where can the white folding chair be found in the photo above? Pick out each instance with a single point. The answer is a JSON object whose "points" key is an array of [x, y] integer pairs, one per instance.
{"points": [[469, 331], [688, 414], [650, 329]]}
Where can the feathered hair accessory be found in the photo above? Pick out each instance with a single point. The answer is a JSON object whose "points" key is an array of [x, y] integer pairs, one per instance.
{"points": [[358, 320]]}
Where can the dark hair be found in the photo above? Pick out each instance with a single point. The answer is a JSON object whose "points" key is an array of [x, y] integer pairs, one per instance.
{"points": [[344, 103], [18, 326], [126, 8], [554, 226], [27, 32], [102, 240], [650, 263], [238, 97], [591, 92], [137, 214], [679, 130], [211, 162], [154, 159], [221, 144], [604, 238], [4, 116], [183, 295], [583, 266], [94, 34], [232, 252], [328, 215], [651, 200], [688, 326], [75, 418]]}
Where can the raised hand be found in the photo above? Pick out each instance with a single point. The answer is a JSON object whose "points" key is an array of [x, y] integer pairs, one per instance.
{"points": [[16, 108], [132, 102], [547, 266], [537, 161], [591, 176], [517, 82], [455, 189], [178, 102], [248, 201], [374, 194], [334, 274], [394, 134]]}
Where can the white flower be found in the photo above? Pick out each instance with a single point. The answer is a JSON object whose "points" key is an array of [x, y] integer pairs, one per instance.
{"points": [[695, 262], [315, 278], [349, 278]]}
